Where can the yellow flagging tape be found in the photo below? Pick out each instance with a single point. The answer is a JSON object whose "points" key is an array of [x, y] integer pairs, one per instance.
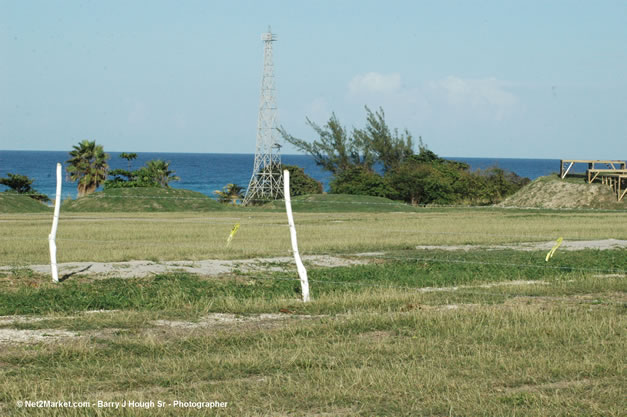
{"points": [[233, 231], [553, 249]]}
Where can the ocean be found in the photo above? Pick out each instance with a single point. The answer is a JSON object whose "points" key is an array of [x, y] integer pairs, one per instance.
{"points": [[207, 172]]}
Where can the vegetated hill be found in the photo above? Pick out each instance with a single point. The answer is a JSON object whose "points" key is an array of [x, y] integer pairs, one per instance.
{"points": [[342, 203], [20, 203], [553, 192], [143, 199]]}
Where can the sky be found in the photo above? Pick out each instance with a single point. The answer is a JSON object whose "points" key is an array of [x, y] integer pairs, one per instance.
{"points": [[517, 79]]}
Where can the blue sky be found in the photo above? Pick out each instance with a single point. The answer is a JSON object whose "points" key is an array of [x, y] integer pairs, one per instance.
{"points": [[536, 79]]}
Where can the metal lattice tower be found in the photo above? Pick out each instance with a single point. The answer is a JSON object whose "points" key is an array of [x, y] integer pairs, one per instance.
{"points": [[266, 182]]}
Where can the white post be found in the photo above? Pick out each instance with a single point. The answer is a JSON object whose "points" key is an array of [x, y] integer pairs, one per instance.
{"points": [[302, 272], [53, 233]]}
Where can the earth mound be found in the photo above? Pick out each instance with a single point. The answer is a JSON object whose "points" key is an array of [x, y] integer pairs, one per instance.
{"points": [[142, 199], [554, 192]]}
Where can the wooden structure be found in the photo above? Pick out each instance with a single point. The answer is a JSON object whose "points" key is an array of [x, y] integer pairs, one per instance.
{"points": [[614, 173], [620, 194], [618, 183], [610, 164], [592, 174]]}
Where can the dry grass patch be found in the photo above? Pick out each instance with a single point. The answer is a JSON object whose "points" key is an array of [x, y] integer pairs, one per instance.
{"points": [[106, 237], [543, 355]]}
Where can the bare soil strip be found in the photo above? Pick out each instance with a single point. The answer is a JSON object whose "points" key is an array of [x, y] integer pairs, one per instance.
{"points": [[209, 322], [604, 244], [214, 267], [34, 336], [211, 267], [231, 322]]}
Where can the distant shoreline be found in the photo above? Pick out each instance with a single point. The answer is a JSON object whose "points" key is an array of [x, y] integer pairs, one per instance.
{"points": [[207, 172]]}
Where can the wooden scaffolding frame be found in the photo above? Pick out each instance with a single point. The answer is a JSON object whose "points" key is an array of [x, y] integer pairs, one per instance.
{"points": [[608, 163]]}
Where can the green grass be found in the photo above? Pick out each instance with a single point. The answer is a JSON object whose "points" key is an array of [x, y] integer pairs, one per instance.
{"points": [[415, 332], [23, 293], [146, 199], [550, 349], [105, 237], [341, 203], [20, 203]]}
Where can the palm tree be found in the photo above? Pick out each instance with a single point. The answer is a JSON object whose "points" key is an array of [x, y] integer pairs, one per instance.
{"points": [[159, 172], [230, 192], [129, 157], [87, 165]]}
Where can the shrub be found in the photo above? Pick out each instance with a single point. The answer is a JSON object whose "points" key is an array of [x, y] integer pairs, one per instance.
{"points": [[301, 183], [361, 181]]}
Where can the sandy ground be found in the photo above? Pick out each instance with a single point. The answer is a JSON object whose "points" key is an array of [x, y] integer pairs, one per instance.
{"points": [[531, 246], [33, 336], [11, 335], [219, 267], [556, 193], [214, 267], [213, 321], [211, 267]]}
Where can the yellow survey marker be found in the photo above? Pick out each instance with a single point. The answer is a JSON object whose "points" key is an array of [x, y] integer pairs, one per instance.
{"points": [[233, 231], [553, 249]]}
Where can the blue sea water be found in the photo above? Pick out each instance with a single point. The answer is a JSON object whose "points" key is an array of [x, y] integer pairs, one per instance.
{"points": [[207, 172]]}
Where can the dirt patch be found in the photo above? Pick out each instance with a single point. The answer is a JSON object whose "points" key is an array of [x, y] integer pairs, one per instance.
{"points": [[211, 321], [7, 320], [609, 276], [34, 336], [591, 300], [218, 319], [560, 385], [552, 192], [571, 245], [496, 284], [211, 267], [376, 336]]}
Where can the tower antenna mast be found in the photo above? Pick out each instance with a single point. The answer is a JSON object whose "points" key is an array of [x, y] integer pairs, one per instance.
{"points": [[266, 182]]}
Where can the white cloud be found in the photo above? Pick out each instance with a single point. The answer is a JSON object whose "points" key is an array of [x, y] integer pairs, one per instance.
{"points": [[373, 82]]}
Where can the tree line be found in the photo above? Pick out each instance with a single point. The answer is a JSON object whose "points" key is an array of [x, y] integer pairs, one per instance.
{"points": [[378, 161], [88, 166], [374, 160]]}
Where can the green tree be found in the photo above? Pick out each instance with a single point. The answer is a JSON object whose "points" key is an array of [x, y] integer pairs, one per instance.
{"points": [[389, 148], [357, 158], [158, 172], [230, 193], [301, 183], [337, 150], [360, 181], [418, 182], [21, 184], [500, 184], [87, 165], [408, 182], [129, 157]]}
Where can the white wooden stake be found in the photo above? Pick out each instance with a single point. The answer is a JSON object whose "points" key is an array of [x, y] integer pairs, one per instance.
{"points": [[302, 272], [53, 233]]}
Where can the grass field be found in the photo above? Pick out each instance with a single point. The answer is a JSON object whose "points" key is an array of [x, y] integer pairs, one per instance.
{"points": [[195, 236], [16, 203], [412, 332]]}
